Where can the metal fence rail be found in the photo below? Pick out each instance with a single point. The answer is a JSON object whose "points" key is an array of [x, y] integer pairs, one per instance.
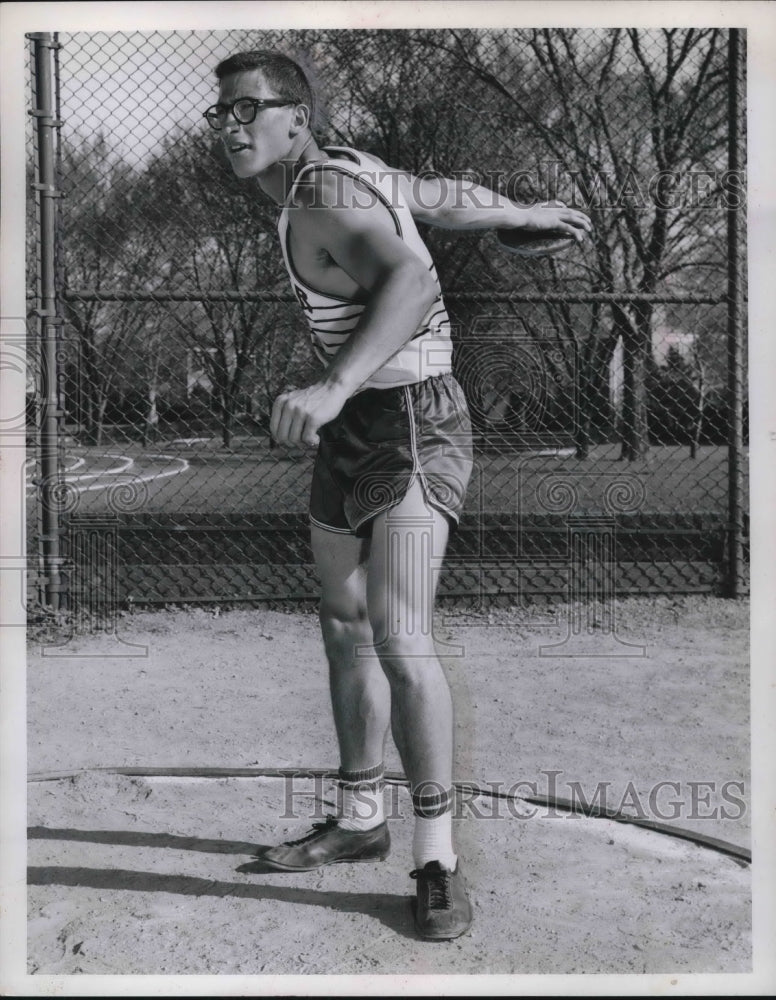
{"points": [[607, 385]]}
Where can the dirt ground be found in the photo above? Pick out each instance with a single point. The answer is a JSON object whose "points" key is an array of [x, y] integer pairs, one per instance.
{"points": [[156, 875]]}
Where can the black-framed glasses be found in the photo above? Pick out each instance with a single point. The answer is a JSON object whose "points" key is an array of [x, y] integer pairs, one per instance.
{"points": [[244, 110]]}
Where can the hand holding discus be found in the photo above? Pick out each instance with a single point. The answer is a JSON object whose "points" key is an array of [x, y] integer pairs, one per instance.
{"points": [[550, 228]]}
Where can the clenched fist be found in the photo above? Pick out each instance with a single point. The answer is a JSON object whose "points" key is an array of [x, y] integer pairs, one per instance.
{"points": [[298, 413]]}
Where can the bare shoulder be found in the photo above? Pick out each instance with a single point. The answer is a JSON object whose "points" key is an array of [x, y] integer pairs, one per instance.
{"points": [[399, 180], [328, 199], [421, 194]]}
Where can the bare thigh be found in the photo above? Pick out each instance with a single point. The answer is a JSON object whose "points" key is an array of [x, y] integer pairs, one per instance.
{"points": [[408, 546], [341, 561]]}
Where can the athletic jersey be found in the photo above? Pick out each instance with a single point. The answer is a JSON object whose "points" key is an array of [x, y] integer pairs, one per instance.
{"points": [[331, 318]]}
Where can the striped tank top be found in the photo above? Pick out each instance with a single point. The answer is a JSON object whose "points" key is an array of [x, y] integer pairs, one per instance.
{"points": [[331, 318]]}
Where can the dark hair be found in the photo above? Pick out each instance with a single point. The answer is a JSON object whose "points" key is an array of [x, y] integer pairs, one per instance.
{"points": [[282, 73]]}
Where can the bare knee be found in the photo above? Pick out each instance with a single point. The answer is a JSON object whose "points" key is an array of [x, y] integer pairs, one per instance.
{"points": [[344, 625], [408, 659]]}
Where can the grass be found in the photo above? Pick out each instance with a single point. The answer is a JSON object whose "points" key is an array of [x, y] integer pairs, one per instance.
{"points": [[250, 479]]}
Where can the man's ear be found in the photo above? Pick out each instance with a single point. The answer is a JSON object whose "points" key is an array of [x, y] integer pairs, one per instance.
{"points": [[301, 117]]}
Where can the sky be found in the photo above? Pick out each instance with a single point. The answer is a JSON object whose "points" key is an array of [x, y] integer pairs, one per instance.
{"points": [[137, 87]]}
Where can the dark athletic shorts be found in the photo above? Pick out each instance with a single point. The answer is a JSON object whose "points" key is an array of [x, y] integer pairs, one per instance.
{"points": [[383, 439]]}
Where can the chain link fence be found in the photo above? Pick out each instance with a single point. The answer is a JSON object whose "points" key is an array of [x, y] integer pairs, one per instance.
{"points": [[607, 385]]}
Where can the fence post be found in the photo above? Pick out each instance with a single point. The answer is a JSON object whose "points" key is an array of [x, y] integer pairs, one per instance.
{"points": [[49, 320], [735, 316]]}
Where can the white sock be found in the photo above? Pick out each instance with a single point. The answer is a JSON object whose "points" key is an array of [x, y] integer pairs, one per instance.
{"points": [[362, 807], [361, 798], [433, 841]]}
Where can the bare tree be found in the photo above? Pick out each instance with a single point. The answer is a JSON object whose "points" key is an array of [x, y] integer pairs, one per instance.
{"points": [[629, 116], [101, 250], [216, 233]]}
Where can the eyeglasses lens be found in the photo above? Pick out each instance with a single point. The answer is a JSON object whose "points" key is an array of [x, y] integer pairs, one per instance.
{"points": [[244, 112]]}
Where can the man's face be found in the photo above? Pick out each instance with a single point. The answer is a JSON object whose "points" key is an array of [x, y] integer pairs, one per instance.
{"points": [[255, 147]]}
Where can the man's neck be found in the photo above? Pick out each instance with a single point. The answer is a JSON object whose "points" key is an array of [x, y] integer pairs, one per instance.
{"points": [[278, 179]]}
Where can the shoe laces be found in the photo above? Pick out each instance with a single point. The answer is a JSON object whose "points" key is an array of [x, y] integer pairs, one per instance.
{"points": [[438, 884], [316, 831]]}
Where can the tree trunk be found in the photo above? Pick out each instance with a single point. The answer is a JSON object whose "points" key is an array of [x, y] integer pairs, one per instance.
{"points": [[227, 405], [695, 435], [634, 430], [582, 411], [90, 404], [637, 353], [152, 417], [594, 414], [582, 436], [102, 406], [598, 402]]}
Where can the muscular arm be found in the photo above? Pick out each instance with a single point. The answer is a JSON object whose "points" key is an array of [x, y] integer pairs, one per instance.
{"points": [[461, 204], [363, 242]]}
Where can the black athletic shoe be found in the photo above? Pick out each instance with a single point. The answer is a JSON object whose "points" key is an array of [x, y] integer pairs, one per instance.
{"points": [[329, 844], [442, 909]]}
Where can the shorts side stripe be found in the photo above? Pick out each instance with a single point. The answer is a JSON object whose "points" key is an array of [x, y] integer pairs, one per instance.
{"points": [[417, 468], [328, 527]]}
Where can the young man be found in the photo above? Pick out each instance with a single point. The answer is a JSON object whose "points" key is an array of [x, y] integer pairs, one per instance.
{"points": [[394, 453]]}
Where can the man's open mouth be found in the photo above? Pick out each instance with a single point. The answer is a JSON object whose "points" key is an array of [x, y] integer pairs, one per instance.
{"points": [[239, 148]]}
